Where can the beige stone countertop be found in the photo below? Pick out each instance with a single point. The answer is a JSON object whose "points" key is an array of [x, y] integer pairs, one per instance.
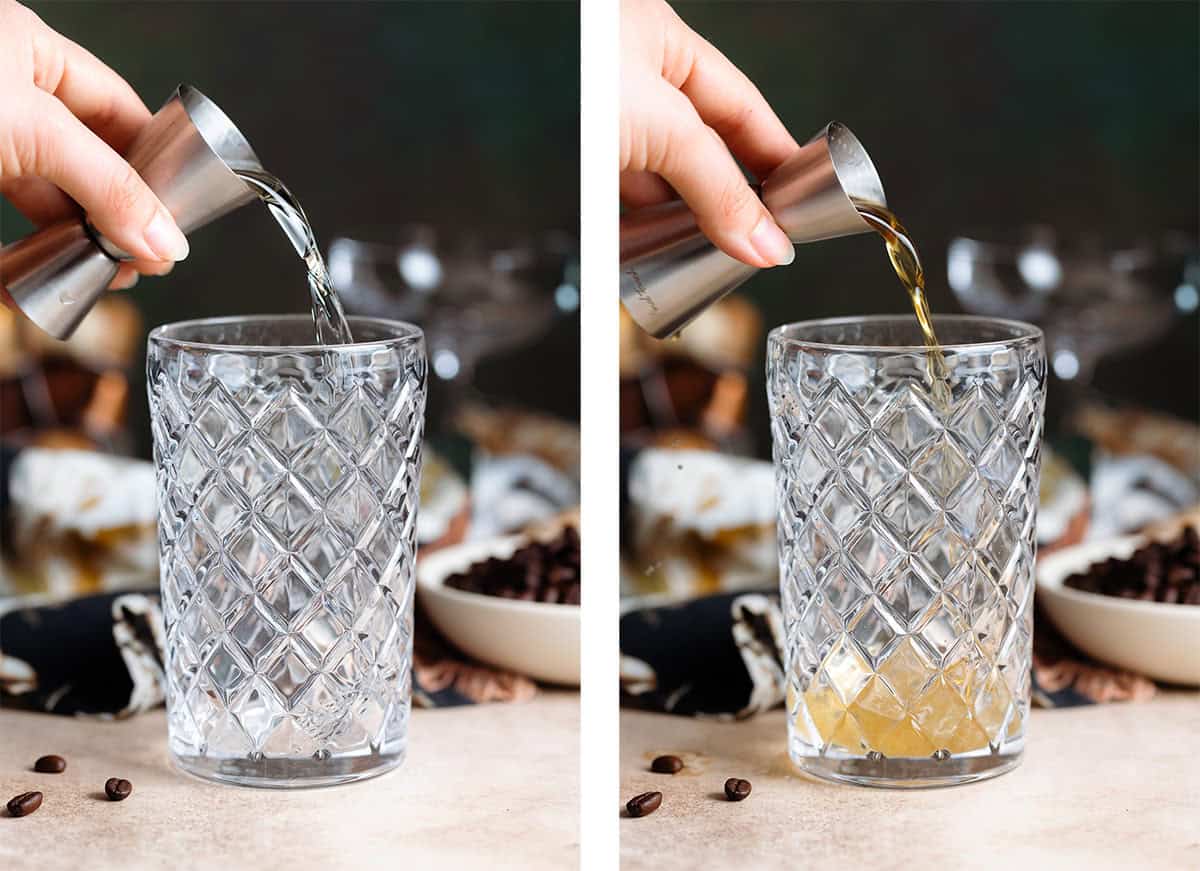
{"points": [[487, 786], [1104, 786]]}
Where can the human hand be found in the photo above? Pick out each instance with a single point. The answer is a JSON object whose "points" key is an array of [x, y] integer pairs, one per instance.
{"points": [[65, 119], [684, 109]]}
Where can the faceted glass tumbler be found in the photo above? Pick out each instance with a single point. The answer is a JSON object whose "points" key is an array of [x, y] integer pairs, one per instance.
{"points": [[288, 478], [906, 544]]}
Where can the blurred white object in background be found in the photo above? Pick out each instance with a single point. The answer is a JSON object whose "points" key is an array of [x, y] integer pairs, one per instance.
{"points": [[1132, 491], [81, 522], [1093, 298], [445, 503], [509, 493], [85, 522], [700, 522]]}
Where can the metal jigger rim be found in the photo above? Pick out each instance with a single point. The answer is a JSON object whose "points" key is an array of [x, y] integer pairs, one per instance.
{"points": [[212, 124], [839, 131]]}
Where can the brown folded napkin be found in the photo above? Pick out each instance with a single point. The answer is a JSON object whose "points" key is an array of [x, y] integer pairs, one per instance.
{"points": [[1064, 676], [441, 671]]}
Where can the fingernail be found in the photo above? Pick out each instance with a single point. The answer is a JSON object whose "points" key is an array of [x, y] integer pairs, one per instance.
{"points": [[164, 237], [771, 243], [125, 283]]}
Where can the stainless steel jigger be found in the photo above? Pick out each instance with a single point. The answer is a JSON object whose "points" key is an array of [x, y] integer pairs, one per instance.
{"points": [[670, 272], [186, 154]]}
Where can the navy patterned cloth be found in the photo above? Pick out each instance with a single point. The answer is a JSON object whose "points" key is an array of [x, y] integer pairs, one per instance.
{"points": [[103, 655]]}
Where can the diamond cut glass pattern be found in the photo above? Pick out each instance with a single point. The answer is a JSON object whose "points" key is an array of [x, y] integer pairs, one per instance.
{"points": [[906, 545], [288, 481]]}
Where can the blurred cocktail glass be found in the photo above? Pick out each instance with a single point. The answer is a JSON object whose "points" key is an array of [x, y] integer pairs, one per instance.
{"points": [[1092, 299], [474, 295]]}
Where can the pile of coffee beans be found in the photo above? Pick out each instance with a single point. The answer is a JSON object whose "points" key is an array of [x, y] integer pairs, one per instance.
{"points": [[538, 572], [646, 803], [115, 788], [1162, 571]]}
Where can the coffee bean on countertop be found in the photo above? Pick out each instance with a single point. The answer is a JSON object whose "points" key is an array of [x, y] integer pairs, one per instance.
{"points": [[666, 764], [117, 789], [24, 804], [51, 764], [737, 789], [644, 804]]}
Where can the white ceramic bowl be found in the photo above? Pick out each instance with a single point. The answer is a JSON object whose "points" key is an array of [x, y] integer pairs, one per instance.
{"points": [[533, 638], [1158, 640]]}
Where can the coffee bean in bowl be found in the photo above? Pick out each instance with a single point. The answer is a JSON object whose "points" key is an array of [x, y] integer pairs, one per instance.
{"points": [[541, 571], [1116, 615], [534, 638], [1158, 571]]}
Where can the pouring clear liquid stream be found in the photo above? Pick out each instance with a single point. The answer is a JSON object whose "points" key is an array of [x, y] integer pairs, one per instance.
{"points": [[329, 319]]}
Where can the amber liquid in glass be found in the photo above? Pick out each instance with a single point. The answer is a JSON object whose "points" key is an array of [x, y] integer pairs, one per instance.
{"points": [[898, 711]]}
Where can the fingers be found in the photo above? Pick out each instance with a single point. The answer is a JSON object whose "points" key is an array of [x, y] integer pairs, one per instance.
{"points": [[118, 202], [125, 278], [153, 267], [644, 189], [729, 103], [691, 157], [128, 274], [96, 95], [42, 203]]}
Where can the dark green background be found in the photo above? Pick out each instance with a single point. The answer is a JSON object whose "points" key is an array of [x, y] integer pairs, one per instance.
{"points": [[381, 113], [1080, 115]]}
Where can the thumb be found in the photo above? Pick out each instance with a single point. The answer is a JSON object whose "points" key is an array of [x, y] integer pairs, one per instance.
{"points": [[117, 201]]}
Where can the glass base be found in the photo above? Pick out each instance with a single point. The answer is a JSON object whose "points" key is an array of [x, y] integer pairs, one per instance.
{"points": [[908, 773], [278, 773]]}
